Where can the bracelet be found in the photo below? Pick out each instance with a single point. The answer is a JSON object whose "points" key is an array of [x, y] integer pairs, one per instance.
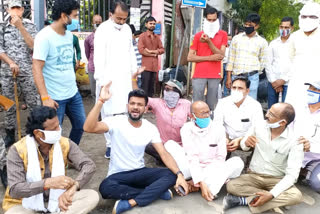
{"points": [[179, 172], [100, 99], [134, 80], [45, 98]]}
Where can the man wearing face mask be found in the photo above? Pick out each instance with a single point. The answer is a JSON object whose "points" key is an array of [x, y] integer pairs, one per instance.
{"points": [[128, 180], [304, 54], [16, 45], [207, 51], [238, 112], [307, 127], [247, 55], [89, 51], [274, 167], [279, 64], [203, 153], [171, 113], [114, 60], [37, 180], [150, 47], [53, 69]]}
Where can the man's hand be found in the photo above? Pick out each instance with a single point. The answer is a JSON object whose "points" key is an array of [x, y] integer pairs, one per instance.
{"points": [[14, 69], [205, 38], [228, 81], [234, 144], [181, 182], [251, 141], [279, 89], [264, 197], [305, 142], [59, 182], [139, 71], [65, 199], [205, 192], [16, 21], [216, 57], [77, 64], [105, 93], [278, 83], [50, 103]]}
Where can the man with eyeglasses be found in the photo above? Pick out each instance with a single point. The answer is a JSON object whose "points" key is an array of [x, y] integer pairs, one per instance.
{"points": [[307, 127], [114, 60], [238, 112], [304, 53], [247, 54], [203, 153], [279, 64], [274, 167]]}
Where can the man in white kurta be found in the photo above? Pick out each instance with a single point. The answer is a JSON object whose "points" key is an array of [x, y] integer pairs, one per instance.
{"points": [[305, 54], [114, 60]]}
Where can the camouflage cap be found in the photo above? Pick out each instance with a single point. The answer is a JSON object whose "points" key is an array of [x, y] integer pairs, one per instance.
{"points": [[176, 84], [15, 3]]}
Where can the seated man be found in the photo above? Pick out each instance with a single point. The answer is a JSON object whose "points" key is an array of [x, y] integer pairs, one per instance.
{"points": [[203, 154], [36, 170], [128, 179], [274, 167], [171, 113], [307, 125], [238, 112]]}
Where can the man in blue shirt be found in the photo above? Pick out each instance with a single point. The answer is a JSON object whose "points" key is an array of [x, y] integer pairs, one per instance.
{"points": [[53, 67]]}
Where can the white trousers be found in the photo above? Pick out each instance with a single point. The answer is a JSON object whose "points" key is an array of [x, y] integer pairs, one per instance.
{"points": [[215, 175]]}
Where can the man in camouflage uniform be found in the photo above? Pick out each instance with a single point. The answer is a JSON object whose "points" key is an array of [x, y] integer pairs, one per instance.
{"points": [[16, 44]]}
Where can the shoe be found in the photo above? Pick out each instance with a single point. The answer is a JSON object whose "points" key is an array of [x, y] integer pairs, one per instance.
{"points": [[167, 195], [121, 206], [9, 139], [108, 152], [4, 177], [230, 201]]}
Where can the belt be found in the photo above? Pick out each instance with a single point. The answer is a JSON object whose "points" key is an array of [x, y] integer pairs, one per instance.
{"points": [[248, 74]]}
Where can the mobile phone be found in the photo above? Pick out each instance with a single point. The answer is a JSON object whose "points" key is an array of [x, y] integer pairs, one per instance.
{"points": [[181, 190], [245, 120], [213, 145], [254, 200]]}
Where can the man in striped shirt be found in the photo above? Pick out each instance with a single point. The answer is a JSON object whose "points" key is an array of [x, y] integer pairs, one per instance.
{"points": [[135, 39]]}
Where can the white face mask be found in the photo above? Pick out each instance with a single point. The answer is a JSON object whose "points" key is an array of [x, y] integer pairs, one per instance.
{"points": [[211, 28], [117, 26], [51, 137], [274, 125], [236, 96], [308, 24], [313, 97]]}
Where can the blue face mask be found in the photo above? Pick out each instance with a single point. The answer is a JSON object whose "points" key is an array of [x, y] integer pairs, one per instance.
{"points": [[202, 122], [74, 25]]}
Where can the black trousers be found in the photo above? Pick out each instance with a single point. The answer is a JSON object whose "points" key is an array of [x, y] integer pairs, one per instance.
{"points": [[147, 82]]}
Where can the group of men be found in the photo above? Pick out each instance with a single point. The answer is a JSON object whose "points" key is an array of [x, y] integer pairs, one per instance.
{"points": [[195, 152]]}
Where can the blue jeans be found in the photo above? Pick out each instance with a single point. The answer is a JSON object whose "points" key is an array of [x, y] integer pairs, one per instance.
{"points": [[73, 108], [273, 96], [144, 185], [254, 84]]}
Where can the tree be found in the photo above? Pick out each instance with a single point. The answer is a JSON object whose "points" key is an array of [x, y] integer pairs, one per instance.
{"points": [[270, 11]]}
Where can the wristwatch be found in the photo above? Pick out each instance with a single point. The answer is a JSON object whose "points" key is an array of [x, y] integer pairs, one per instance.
{"points": [[179, 172]]}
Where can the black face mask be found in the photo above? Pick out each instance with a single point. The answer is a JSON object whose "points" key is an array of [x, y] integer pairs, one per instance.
{"points": [[249, 30]]}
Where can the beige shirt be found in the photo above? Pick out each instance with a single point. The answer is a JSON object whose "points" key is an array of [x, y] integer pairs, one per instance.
{"points": [[20, 188], [281, 157]]}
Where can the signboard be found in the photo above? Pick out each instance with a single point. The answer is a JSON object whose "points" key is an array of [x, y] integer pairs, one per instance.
{"points": [[195, 3], [135, 17], [157, 30]]}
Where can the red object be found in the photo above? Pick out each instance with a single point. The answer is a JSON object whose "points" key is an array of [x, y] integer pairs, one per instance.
{"points": [[208, 69]]}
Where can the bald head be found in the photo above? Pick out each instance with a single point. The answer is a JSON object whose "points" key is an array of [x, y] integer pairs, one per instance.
{"points": [[284, 111], [200, 109]]}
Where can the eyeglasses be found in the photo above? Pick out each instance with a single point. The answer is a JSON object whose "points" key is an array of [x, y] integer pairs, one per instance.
{"points": [[119, 19], [311, 17], [269, 113], [202, 114]]}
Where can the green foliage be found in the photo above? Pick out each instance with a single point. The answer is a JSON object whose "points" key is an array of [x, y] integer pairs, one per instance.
{"points": [[271, 12]]}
